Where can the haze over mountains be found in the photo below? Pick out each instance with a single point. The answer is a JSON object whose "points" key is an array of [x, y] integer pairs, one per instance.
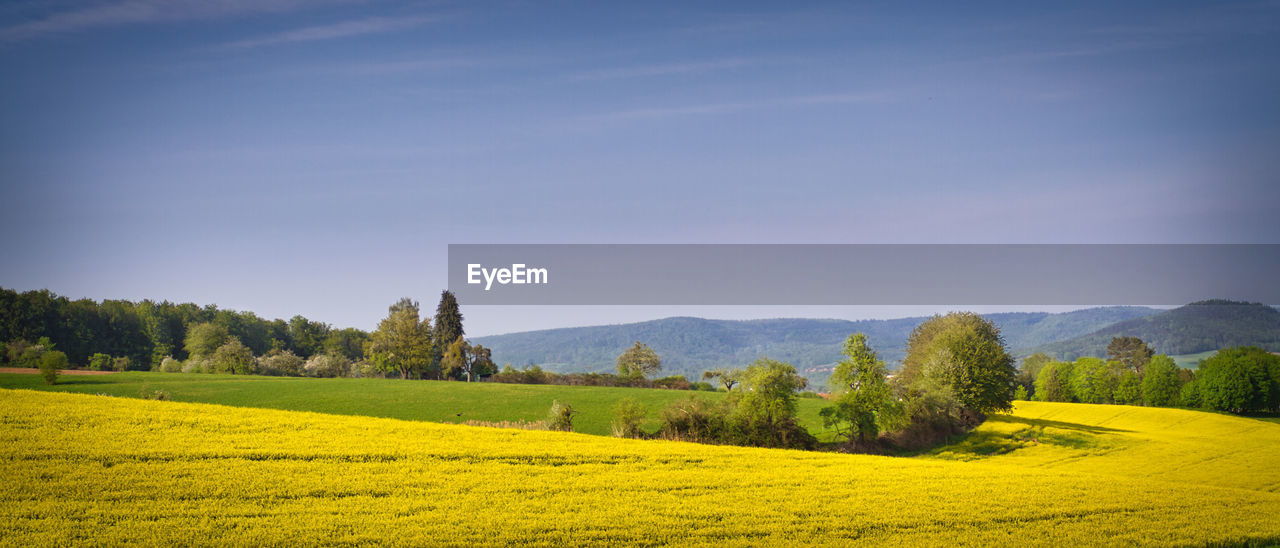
{"points": [[689, 346]]}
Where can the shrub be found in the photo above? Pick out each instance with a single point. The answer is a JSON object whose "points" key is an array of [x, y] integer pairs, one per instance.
{"points": [[1020, 393], [120, 364], [628, 415], [693, 419], [170, 365], [280, 363], [327, 365], [50, 364], [560, 417], [99, 362], [159, 395], [674, 382], [234, 357]]}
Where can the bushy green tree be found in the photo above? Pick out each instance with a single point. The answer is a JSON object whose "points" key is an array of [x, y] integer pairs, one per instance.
{"points": [[1132, 352], [1092, 380], [966, 353], [1128, 389], [1161, 384], [864, 405], [1190, 394], [402, 343], [121, 363], [203, 339], [1240, 380], [1054, 382], [233, 357], [764, 412], [51, 363], [638, 362], [100, 362]]}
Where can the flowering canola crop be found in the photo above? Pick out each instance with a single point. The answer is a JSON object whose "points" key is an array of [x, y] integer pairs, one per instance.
{"points": [[81, 469]]}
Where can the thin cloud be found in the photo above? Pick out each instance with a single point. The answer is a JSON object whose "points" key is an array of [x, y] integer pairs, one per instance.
{"points": [[662, 70], [132, 12], [728, 107], [372, 25]]}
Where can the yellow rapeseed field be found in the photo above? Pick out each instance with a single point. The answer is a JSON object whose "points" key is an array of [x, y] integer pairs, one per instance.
{"points": [[81, 469]]}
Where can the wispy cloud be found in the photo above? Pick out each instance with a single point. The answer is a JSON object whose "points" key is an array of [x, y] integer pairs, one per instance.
{"points": [[734, 106], [132, 12], [372, 25], [662, 69]]}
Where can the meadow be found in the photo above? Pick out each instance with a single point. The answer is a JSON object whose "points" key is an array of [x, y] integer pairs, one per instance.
{"points": [[105, 470], [435, 401]]}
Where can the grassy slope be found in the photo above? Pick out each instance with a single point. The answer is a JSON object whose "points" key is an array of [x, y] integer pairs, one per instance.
{"points": [[1192, 361], [112, 470], [435, 401]]}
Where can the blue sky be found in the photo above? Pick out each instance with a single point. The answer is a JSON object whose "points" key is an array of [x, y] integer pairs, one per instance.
{"points": [[316, 157]]}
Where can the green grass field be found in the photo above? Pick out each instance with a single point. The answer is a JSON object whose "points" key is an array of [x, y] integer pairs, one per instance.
{"points": [[83, 469], [1192, 361], [435, 401]]}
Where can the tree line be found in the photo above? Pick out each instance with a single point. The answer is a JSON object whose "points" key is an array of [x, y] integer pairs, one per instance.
{"points": [[1236, 380], [956, 371], [122, 335]]}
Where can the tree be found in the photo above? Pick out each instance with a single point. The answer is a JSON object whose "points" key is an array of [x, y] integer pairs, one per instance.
{"points": [[51, 363], [234, 358], [727, 377], [639, 361], [402, 343], [966, 353], [1034, 363], [864, 405], [121, 363], [100, 362], [628, 415], [1128, 389], [1161, 385], [448, 326], [560, 417], [481, 362], [1054, 382], [1240, 380], [764, 412], [1130, 351], [459, 360], [306, 338], [203, 339], [1092, 380]]}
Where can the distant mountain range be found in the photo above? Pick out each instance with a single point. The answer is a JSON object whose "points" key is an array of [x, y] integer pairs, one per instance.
{"points": [[689, 346], [1197, 327]]}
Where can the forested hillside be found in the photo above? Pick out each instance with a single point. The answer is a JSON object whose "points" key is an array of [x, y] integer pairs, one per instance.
{"points": [[1198, 327], [691, 345]]}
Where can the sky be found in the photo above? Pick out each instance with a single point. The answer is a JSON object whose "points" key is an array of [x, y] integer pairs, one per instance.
{"points": [[317, 157]]}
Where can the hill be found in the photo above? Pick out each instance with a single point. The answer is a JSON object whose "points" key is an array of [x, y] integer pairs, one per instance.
{"points": [[1204, 326], [102, 470], [689, 346]]}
